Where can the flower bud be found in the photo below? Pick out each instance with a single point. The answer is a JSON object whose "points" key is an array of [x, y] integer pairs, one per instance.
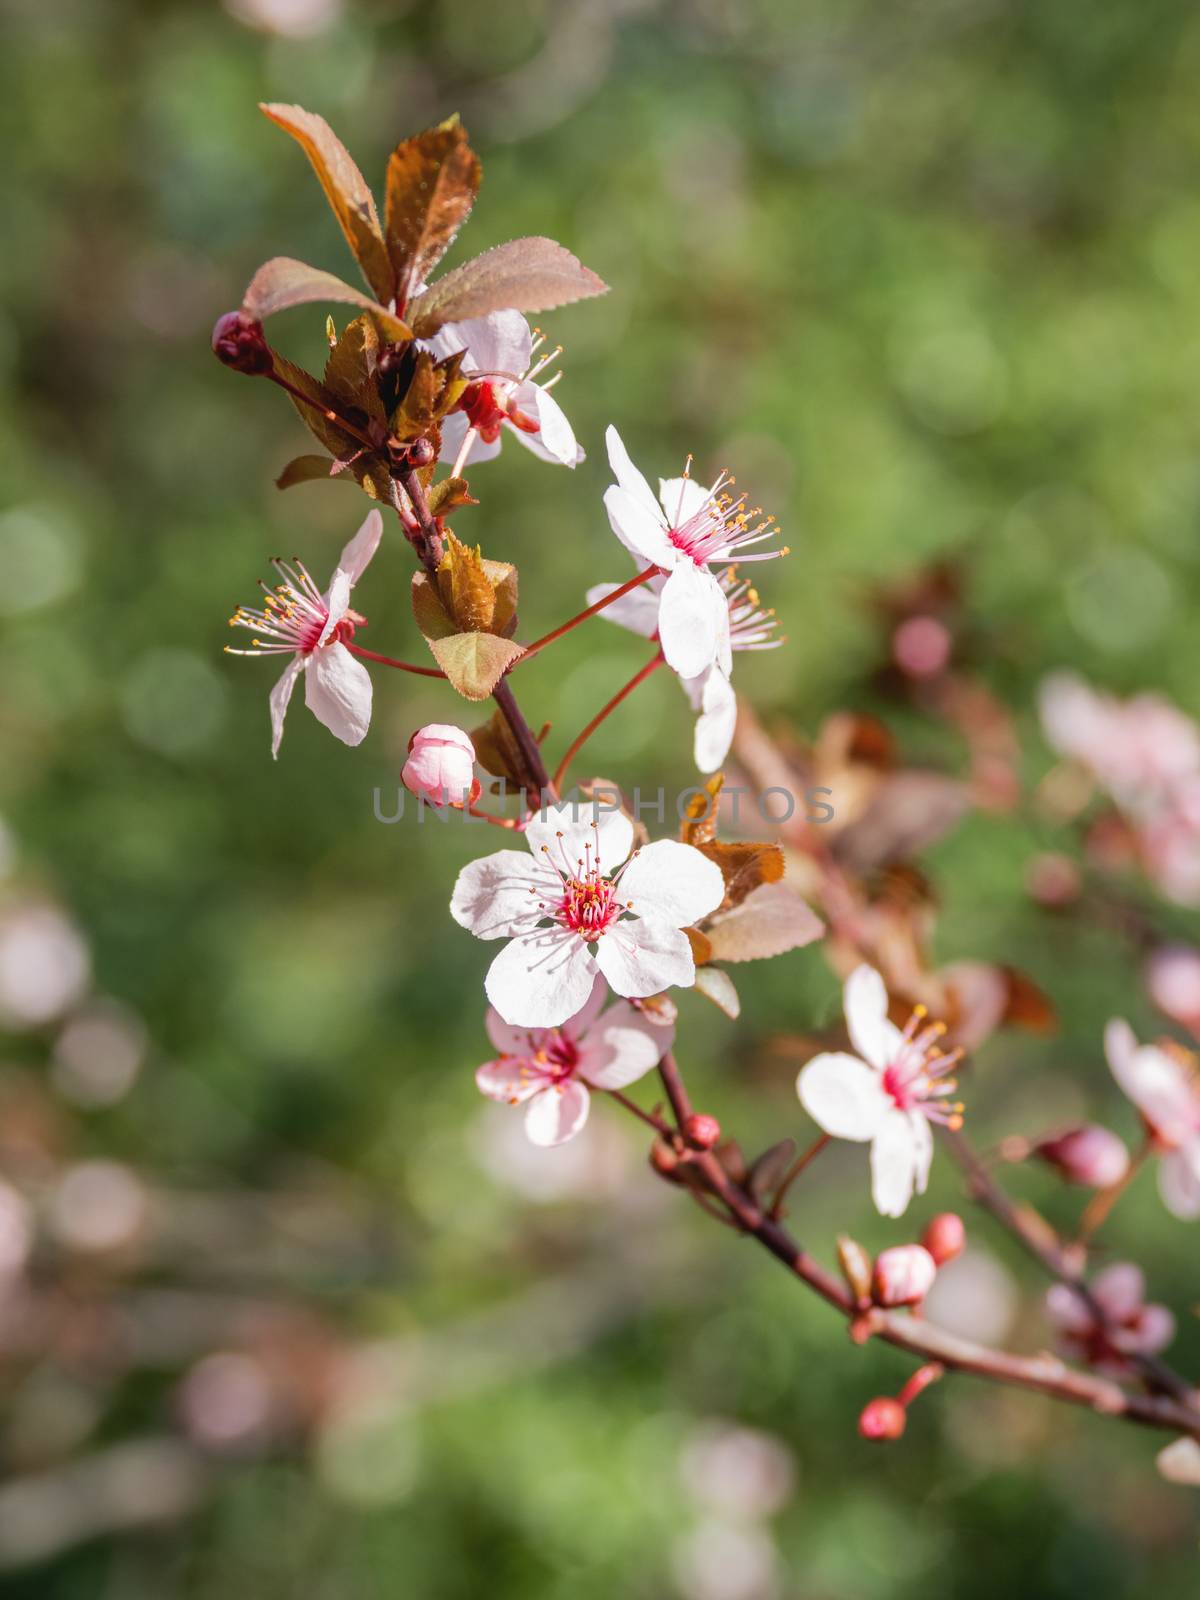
{"points": [[1092, 1156], [664, 1158], [238, 340], [903, 1275], [702, 1130], [421, 453], [945, 1237], [882, 1419], [856, 1266], [441, 765]]}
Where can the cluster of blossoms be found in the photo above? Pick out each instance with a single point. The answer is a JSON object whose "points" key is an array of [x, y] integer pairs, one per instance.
{"points": [[601, 924]]}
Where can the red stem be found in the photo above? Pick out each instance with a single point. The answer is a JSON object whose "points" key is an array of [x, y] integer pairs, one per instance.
{"points": [[794, 1171], [606, 711], [549, 638], [390, 661]]}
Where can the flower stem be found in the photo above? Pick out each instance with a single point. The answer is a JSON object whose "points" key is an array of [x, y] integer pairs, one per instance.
{"points": [[573, 622], [390, 661], [794, 1171], [581, 739]]}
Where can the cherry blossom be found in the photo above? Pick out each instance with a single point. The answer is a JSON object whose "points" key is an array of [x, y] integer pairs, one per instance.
{"points": [[502, 361], [441, 766], [581, 904], [685, 531], [314, 629], [551, 1070], [1131, 1327], [888, 1094], [1167, 1093], [711, 693]]}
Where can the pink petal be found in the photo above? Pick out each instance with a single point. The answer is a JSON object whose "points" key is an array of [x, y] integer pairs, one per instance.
{"points": [[509, 1081], [555, 440], [673, 883], [622, 1047], [843, 1096], [337, 690], [281, 696], [1120, 1289], [357, 554], [1179, 1182], [454, 431], [557, 1114]]}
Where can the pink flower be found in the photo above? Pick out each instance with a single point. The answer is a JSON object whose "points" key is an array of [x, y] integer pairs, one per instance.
{"points": [[691, 530], [1133, 1328], [1139, 750], [549, 1070], [903, 1276], [1172, 976], [1089, 1155], [889, 1097], [441, 766], [314, 629], [574, 910], [500, 352], [1167, 1094], [711, 693]]}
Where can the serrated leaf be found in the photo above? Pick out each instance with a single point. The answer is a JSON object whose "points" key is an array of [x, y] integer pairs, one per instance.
{"points": [[345, 188], [744, 866], [769, 1170], [281, 283], [503, 577], [465, 587], [447, 495], [771, 920], [420, 403], [533, 274], [315, 406], [350, 371], [720, 988], [434, 621], [474, 662], [432, 181]]}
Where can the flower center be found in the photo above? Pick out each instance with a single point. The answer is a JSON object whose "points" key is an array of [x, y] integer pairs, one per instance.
{"points": [[293, 615], [720, 526], [483, 411], [589, 905], [557, 1058], [917, 1078]]}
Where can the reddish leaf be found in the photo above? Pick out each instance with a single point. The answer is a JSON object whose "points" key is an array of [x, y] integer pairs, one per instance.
{"points": [[282, 283], [768, 922], [532, 274], [474, 662], [432, 182], [310, 469], [744, 866]]}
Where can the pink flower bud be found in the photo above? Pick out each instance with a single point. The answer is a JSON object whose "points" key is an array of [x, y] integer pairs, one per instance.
{"points": [[239, 342], [882, 1419], [945, 1237], [1090, 1155], [903, 1275], [702, 1130], [441, 765]]}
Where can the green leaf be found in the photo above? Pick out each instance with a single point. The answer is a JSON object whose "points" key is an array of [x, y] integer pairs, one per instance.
{"points": [[345, 189], [532, 274], [474, 662], [282, 283], [432, 181], [434, 621], [447, 495]]}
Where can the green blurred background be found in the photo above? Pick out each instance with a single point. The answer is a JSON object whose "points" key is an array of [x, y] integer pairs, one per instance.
{"points": [[304, 1317]]}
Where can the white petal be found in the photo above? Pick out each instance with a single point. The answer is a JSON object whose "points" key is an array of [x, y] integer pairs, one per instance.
{"points": [[540, 979], [281, 694], [642, 534], [337, 690], [557, 1114], [454, 431], [1161, 1090], [1179, 1182], [689, 619], [716, 723], [556, 439], [843, 1096], [672, 882], [1120, 1046], [681, 498], [356, 556], [865, 1002], [621, 1047], [637, 610], [569, 835], [499, 895], [922, 1147], [508, 1080], [628, 476], [895, 1164], [578, 1026], [640, 958]]}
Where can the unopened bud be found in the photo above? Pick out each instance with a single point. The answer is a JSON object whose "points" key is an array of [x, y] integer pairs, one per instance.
{"points": [[421, 453], [702, 1130], [664, 1158], [903, 1275], [945, 1237], [1091, 1155], [238, 341], [882, 1419], [856, 1266]]}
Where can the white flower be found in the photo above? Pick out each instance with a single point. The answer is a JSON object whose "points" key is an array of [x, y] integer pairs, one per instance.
{"points": [[711, 693], [572, 910], [500, 359], [549, 1070], [889, 1097], [315, 629], [1168, 1097], [691, 528]]}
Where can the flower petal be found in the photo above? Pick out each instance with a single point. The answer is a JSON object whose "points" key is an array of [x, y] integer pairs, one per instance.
{"points": [[557, 1114], [895, 1164], [508, 1080], [642, 534], [1120, 1289], [569, 834], [717, 721], [689, 619], [628, 476], [1179, 1182], [922, 1135], [577, 1027], [843, 1096], [555, 439], [681, 499], [637, 610], [356, 556], [865, 1002], [621, 1047], [523, 1042], [540, 979], [337, 690], [1158, 1086], [281, 695], [499, 895], [454, 431], [641, 957], [672, 882]]}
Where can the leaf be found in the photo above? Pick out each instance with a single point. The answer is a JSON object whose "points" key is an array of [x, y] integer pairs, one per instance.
{"points": [[345, 189], [701, 949], [281, 283], [772, 920], [744, 866], [447, 495], [471, 600], [532, 274], [420, 403], [367, 469], [699, 824], [350, 371], [432, 181], [769, 1170], [474, 662], [434, 621], [497, 750], [503, 578], [309, 469], [719, 987]]}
